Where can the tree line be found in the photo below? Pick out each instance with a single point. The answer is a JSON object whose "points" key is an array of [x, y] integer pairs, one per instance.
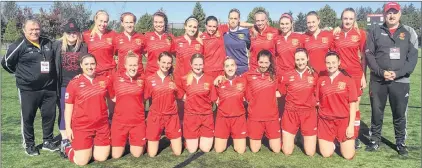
{"points": [[54, 18]]}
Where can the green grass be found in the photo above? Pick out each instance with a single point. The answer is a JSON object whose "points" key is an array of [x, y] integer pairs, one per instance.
{"points": [[12, 153]]}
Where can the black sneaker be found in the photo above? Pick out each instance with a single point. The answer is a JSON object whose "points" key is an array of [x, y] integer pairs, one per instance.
{"points": [[50, 146], [373, 146], [32, 151], [65, 143], [357, 144], [402, 149]]}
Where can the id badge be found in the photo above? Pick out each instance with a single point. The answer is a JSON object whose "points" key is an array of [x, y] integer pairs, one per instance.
{"points": [[394, 53], [45, 67]]}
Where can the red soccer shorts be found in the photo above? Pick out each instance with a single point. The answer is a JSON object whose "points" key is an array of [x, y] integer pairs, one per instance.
{"points": [[195, 126], [330, 129], [256, 129], [84, 139], [157, 123], [305, 119], [236, 126], [120, 133], [214, 74]]}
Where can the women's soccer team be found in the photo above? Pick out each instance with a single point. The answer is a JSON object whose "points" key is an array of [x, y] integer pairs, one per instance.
{"points": [[197, 96]]}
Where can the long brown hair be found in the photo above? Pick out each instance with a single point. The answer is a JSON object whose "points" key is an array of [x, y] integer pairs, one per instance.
{"points": [[312, 70], [271, 69], [333, 53]]}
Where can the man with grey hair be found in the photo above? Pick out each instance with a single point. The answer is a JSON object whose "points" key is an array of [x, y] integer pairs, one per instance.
{"points": [[31, 59], [391, 53]]}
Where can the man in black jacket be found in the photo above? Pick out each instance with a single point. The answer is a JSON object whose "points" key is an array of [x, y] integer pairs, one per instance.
{"points": [[391, 54], [31, 59]]}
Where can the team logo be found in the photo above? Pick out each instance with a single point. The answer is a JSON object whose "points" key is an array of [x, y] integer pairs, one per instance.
{"points": [[139, 82], [152, 38], [323, 83], [324, 40], [241, 36], [401, 36], [109, 40], [295, 42], [310, 79], [172, 85], [102, 84], [269, 36], [206, 86], [341, 85], [121, 79], [82, 84], [197, 47], [254, 77], [307, 39], [138, 41], [180, 44], [292, 78], [239, 86], [278, 41], [355, 38], [91, 38]]}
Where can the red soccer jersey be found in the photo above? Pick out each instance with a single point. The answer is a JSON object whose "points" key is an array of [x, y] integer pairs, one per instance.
{"points": [[260, 93], [286, 48], [123, 44], [334, 96], [348, 45], [129, 109], [102, 48], [184, 52], [154, 46], [263, 41], [299, 89], [230, 95], [88, 99], [317, 48], [198, 94], [163, 93], [214, 50]]}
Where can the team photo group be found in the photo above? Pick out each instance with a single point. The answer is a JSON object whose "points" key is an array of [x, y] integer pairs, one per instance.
{"points": [[233, 82]]}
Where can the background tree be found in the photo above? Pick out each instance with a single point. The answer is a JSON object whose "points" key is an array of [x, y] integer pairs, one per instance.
{"points": [[199, 14], [327, 16], [144, 24], [251, 16], [300, 23], [12, 33]]}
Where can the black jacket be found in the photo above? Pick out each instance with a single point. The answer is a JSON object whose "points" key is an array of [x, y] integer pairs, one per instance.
{"points": [[24, 60], [378, 44]]}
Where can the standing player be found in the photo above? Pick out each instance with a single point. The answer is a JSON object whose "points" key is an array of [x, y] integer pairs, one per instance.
{"points": [[337, 96], [87, 125], [316, 41], [100, 44], [127, 88], [231, 118], [198, 122], [127, 41], [263, 38], [287, 42], [157, 42], [214, 51], [67, 50], [299, 87], [187, 45], [163, 113], [263, 116], [237, 42], [349, 43]]}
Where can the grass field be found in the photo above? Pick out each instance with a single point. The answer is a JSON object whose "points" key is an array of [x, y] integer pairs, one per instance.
{"points": [[13, 155]]}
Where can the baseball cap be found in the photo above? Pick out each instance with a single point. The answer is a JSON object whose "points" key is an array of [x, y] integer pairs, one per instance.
{"points": [[391, 5], [71, 26]]}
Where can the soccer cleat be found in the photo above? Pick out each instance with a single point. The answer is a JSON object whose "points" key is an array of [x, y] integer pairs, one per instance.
{"points": [[373, 146], [357, 144], [32, 151], [402, 149], [50, 146]]}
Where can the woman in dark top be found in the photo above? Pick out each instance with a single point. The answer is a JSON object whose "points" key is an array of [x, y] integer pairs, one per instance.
{"points": [[67, 50]]}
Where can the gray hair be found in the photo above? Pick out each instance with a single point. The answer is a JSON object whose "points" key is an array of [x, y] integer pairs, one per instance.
{"points": [[30, 19]]}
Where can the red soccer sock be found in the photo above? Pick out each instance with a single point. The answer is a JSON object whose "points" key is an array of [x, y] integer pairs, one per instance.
{"points": [[357, 122], [70, 153]]}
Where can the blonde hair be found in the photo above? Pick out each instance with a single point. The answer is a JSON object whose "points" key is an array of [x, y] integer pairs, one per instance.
{"points": [[65, 43], [189, 76], [99, 12], [131, 54]]}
